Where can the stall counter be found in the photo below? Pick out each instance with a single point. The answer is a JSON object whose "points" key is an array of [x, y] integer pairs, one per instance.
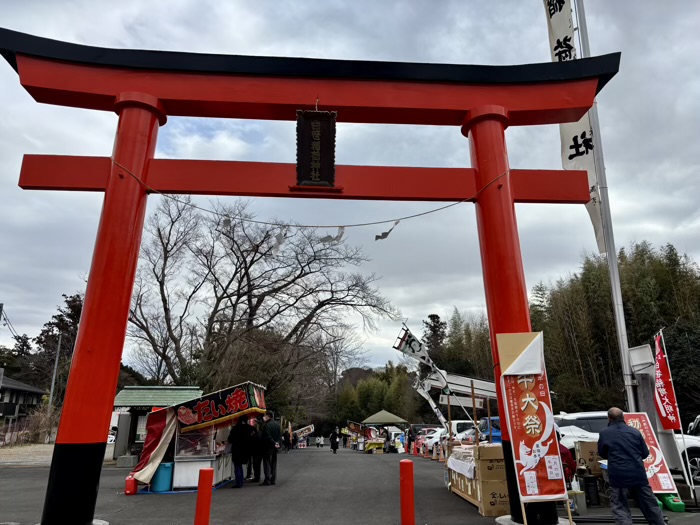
{"points": [[186, 472]]}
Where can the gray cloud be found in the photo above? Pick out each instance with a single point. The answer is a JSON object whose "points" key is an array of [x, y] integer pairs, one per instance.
{"points": [[649, 116]]}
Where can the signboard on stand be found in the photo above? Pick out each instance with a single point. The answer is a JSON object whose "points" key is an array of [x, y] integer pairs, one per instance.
{"points": [[529, 417], [658, 473]]}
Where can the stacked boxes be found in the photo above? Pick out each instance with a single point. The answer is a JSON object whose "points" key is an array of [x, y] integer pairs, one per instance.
{"points": [[487, 490], [587, 456]]}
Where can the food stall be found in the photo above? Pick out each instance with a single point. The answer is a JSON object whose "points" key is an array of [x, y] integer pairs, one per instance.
{"points": [[374, 443], [193, 435], [302, 433]]}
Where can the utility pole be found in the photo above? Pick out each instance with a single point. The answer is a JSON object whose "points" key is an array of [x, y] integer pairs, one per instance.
{"points": [[55, 370], [53, 384], [611, 251]]}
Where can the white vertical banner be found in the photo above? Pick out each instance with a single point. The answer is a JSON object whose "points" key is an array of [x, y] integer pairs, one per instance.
{"points": [[577, 140]]}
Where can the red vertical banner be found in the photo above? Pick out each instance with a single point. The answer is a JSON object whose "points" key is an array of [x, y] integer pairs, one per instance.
{"points": [[658, 473], [665, 394], [530, 421]]}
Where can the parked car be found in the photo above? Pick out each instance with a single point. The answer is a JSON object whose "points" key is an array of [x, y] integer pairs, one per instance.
{"points": [[461, 425], [585, 426], [466, 436], [490, 429], [433, 439], [422, 434]]}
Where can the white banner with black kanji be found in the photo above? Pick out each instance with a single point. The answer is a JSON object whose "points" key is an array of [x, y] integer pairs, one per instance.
{"points": [[577, 141]]}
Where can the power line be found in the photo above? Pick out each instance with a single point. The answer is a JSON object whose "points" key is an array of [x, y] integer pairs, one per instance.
{"points": [[8, 323]]}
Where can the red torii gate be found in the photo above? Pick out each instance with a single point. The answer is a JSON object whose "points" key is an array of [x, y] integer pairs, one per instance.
{"points": [[144, 87]]}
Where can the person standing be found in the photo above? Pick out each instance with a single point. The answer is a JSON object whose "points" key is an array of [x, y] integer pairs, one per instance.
{"points": [[335, 440], [625, 450], [240, 439], [287, 440], [345, 441], [567, 461], [271, 437], [256, 453], [411, 440]]}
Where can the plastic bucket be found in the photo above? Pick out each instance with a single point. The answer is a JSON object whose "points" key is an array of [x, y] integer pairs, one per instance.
{"points": [[163, 478]]}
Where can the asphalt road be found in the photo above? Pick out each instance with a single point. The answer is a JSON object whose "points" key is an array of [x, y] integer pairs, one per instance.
{"points": [[313, 487]]}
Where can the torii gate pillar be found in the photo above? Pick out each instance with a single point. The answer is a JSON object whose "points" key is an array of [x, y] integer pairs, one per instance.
{"points": [[104, 319], [501, 258]]}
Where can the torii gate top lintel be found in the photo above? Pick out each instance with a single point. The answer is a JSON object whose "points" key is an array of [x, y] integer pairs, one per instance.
{"points": [[231, 86]]}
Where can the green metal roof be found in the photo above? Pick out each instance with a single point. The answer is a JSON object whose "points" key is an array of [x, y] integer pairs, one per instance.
{"points": [[155, 396]]}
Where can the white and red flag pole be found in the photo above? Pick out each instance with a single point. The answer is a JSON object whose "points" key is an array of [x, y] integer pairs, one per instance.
{"points": [[666, 401], [664, 393]]}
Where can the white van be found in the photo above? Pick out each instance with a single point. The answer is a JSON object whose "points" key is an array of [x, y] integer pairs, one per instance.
{"points": [[461, 425]]}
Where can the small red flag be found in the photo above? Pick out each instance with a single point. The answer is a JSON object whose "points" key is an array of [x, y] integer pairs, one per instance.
{"points": [[666, 405]]}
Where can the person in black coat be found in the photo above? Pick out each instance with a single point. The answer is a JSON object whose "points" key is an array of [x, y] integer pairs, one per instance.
{"points": [[241, 444], [625, 450], [335, 440], [256, 453]]}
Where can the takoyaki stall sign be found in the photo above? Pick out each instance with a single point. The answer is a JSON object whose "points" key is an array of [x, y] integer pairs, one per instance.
{"points": [[218, 407]]}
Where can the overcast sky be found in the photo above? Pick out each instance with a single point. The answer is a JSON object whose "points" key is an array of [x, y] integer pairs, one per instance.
{"points": [[649, 113]]}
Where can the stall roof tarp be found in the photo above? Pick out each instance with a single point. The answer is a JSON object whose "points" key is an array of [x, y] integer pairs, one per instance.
{"points": [[156, 396], [383, 418]]}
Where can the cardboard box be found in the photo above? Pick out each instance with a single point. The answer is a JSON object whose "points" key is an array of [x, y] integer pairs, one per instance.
{"points": [[488, 452], [491, 470], [587, 456], [490, 497], [494, 498]]}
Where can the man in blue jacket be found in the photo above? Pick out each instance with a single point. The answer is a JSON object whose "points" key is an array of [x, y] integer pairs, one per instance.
{"points": [[625, 450]]}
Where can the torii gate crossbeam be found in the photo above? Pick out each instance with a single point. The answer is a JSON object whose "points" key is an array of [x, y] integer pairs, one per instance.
{"points": [[145, 87]]}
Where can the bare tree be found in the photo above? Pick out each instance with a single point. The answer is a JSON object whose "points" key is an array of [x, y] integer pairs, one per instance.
{"points": [[340, 349], [216, 288]]}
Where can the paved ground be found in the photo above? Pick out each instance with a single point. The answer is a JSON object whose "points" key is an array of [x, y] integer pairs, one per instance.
{"points": [[35, 455], [313, 487]]}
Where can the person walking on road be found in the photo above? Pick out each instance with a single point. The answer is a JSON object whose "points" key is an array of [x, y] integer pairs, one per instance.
{"points": [[335, 441], [241, 442], [625, 450], [271, 437], [287, 440]]}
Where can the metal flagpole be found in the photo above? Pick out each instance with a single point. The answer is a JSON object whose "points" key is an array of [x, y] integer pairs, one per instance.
{"points": [[610, 249], [686, 461], [459, 401]]}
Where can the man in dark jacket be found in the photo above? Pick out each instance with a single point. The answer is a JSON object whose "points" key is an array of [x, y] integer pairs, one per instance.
{"points": [[256, 453], [271, 437], [625, 450], [240, 439]]}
